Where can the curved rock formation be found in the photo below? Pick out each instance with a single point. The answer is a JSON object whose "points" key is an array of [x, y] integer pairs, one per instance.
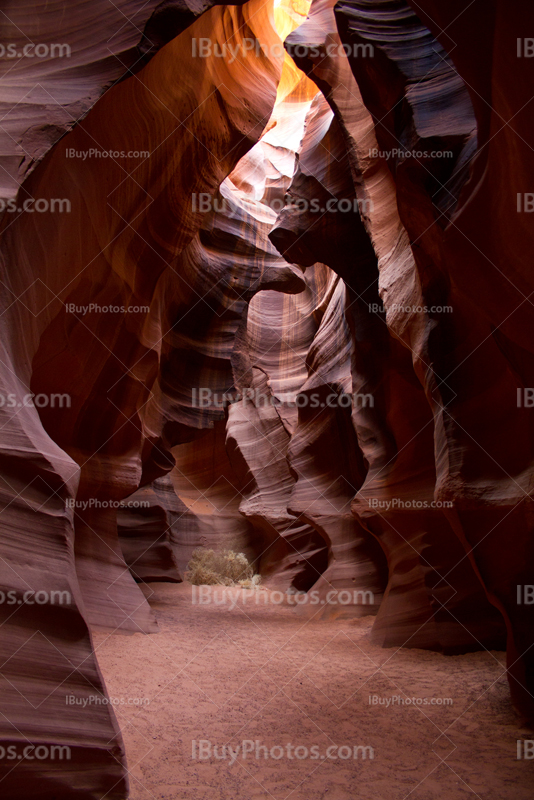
{"points": [[487, 245], [407, 77], [259, 325], [144, 524], [444, 204], [422, 607], [56, 65], [134, 227]]}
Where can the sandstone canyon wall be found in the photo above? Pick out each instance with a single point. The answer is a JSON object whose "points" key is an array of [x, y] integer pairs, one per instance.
{"points": [[412, 302]]}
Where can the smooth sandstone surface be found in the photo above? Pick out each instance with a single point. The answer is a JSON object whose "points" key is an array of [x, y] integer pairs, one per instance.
{"points": [[118, 252], [415, 496]]}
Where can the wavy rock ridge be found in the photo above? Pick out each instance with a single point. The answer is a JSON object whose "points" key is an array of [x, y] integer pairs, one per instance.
{"points": [[250, 282]]}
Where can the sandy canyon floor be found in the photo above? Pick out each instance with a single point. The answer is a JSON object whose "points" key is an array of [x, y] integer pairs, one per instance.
{"points": [[271, 676]]}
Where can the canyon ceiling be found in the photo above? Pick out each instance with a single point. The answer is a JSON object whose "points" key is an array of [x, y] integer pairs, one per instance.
{"points": [[417, 300]]}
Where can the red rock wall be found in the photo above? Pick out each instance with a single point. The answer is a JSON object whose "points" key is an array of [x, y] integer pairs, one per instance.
{"points": [[128, 239], [413, 97], [288, 307]]}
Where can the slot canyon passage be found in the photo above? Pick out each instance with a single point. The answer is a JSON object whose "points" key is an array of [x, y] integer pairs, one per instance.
{"points": [[267, 400]]}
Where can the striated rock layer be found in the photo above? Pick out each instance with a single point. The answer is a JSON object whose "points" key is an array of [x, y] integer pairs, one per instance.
{"points": [[486, 248], [314, 347], [55, 66], [431, 443], [445, 203], [127, 237]]}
